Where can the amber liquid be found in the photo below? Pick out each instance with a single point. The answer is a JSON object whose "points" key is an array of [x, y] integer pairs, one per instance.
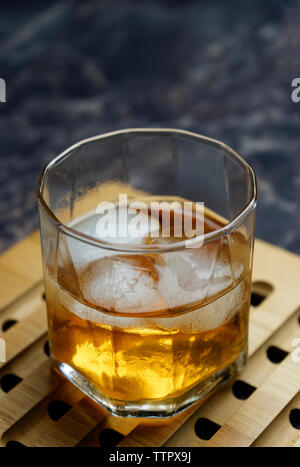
{"points": [[147, 353]]}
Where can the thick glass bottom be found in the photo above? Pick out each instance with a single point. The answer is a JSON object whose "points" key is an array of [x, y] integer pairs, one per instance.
{"points": [[154, 408]]}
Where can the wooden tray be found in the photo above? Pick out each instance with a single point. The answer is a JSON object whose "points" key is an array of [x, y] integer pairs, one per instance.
{"points": [[261, 408]]}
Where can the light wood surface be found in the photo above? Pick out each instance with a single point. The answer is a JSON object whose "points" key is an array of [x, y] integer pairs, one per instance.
{"points": [[263, 419]]}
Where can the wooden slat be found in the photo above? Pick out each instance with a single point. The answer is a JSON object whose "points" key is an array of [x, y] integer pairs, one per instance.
{"points": [[280, 269], [38, 420], [261, 408], [23, 334], [281, 433], [71, 428], [20, 269], [29, 360], [24, 305], [27, 394]]}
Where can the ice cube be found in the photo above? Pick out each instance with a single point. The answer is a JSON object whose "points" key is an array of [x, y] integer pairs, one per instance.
{"points": [[210, 316], [141, 228], [127, 226], [122, 283], [188, 274]]}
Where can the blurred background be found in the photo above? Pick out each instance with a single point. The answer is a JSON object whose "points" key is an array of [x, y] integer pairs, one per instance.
{"points": [[222, 68]]}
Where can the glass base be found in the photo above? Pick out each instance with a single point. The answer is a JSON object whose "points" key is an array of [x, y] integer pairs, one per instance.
{"points": [[153, 408]]}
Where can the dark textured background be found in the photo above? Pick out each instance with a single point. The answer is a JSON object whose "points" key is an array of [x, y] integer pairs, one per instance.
{"points": [[219, 67]]}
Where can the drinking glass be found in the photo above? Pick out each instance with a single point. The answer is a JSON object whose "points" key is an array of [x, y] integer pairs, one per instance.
{"points": [[147, 324]]}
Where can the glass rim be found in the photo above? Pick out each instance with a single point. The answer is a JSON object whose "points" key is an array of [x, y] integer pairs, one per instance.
{"points": [[130, 248]]}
